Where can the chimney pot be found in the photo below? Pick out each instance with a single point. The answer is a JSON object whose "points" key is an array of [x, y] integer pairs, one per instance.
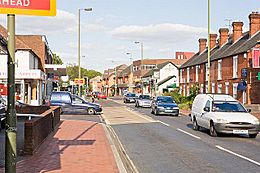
{"points": [[237, 30], [213, 40], [202, 44], [223, 36], [254, 22]]}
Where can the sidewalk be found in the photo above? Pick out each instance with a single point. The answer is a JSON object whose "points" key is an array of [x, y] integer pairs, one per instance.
{"points": [[77, 146]]}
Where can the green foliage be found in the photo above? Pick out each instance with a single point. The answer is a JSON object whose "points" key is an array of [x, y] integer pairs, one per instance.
{"points": [[56, 59], [184, 102], [73, 72]]}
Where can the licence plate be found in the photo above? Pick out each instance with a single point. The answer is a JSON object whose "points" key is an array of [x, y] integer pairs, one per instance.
{"points": [[240, 132], [168, 110]]}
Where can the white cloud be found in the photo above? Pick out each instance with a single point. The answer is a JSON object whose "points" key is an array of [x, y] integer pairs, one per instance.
{"points": [[64, 22], [165, 32]]}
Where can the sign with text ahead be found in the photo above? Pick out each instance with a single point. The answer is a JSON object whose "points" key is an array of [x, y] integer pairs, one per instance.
{"points": [[28, 7], [78, 81]]}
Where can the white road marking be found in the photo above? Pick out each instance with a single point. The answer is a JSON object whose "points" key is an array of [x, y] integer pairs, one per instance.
{"points": [[189, 134], [238, 155], [163, 123]]}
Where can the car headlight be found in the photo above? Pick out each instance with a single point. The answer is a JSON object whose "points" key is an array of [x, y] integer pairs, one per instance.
{"points": [[222, 121], [160, 107], [256, 122]]}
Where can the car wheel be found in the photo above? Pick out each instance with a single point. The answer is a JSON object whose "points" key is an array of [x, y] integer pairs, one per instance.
{"points": [[2, 124], [252, 135], [91, 111], [156, 112], [195, 124], [212, 130]]}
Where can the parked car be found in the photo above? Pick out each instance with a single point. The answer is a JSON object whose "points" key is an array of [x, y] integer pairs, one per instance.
{"points": [[143, 101], [95, 94], [129, 98], [102, 96], [69, 101], [164, 105], [223, 114]]}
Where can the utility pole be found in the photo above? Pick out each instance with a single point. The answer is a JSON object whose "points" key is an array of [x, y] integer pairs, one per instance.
{"points": [[11, 120], [209, 47]]}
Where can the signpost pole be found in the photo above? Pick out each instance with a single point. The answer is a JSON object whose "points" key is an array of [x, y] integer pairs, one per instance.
{"points": [[11, 120]]}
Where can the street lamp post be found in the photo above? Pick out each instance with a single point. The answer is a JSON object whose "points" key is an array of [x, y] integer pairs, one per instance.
{"points": [[142, 57], [85, 9]]}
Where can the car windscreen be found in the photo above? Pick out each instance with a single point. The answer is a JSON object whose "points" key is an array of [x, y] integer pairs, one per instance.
{"points": [[233, 106], [145, 97], [130, 95], [165, 99]]}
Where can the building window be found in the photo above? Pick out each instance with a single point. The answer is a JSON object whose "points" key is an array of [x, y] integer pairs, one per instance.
{"points": [[206, 88], [227, 86], [181, 76], [201, 88], [213, 88], [180, 92], [235, 66], [188, 91], [188, 75], [184, 90], [219, 88], [219, 69], [235, 90], [197, 73]]}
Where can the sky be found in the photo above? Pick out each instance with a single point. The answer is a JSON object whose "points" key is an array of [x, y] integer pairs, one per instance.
{"points": [[109, 31]]}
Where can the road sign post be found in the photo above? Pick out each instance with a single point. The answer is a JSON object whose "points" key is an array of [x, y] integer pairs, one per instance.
{"points": [[11, 8], [10, 127]]}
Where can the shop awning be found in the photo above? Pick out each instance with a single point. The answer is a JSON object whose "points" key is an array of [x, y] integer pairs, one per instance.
{"points": [[56, 70]]}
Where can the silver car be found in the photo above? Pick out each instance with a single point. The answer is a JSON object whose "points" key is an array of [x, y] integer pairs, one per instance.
{"points": [[143, 101]]}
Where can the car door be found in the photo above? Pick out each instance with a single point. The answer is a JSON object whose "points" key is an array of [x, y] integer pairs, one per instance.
{"points": [[203, 117]]}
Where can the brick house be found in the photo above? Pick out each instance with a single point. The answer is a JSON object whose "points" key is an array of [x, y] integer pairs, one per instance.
{"points": [[111, 79], [230, 55]]}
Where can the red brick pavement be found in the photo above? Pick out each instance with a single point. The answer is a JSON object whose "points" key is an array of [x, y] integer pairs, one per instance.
{"points": [[77, 147]]}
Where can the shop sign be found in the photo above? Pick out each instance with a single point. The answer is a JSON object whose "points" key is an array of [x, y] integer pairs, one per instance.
{"points": [[29, 74], [79, 81], [256, 57], [28, 7]]}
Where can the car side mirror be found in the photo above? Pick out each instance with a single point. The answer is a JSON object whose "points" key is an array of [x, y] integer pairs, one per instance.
{"points": [[206, 109], [249, 110]]}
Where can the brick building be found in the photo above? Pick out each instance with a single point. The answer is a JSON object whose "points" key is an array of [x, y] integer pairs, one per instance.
{"points": [[234, 63]]}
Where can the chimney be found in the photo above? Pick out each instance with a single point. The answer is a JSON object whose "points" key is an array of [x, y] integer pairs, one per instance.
{"points": [[237, 30], [202, 44], [223, 36], [213, 40], [254, 20]]}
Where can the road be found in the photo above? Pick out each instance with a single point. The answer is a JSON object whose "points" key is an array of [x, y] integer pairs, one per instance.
{"points": [[166, 144]]}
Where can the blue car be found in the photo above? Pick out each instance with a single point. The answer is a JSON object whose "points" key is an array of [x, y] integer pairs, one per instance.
{"points": [[72, 103], [164, 105]]}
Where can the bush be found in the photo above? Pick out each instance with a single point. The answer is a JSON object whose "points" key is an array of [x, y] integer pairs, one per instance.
{"points": [[184, 102]]}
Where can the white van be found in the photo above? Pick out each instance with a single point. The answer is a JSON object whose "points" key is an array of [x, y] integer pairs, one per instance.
{"points": [[223, 114]]}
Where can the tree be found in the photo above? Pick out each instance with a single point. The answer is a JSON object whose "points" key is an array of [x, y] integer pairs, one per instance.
{"points": [[56, 59], [73, 72]]}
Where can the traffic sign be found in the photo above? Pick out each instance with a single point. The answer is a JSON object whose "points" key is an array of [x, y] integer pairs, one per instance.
{"points": [[28, 7], [258, 76], [79, 81]]}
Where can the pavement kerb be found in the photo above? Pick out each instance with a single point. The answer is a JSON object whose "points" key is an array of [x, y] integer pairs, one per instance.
{"points": [[124, 163], [118, 160]]}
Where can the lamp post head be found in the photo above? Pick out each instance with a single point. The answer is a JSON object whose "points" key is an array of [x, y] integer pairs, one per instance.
{"points": [[87, 9]]}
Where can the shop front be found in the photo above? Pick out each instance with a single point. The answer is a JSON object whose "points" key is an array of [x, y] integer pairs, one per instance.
{"points": [[29, 86]]}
